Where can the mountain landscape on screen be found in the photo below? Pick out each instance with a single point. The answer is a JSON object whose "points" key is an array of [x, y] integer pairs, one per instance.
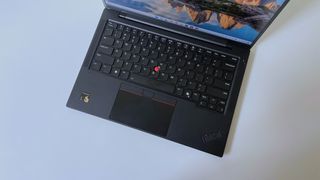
{"points": [[243, 19]]}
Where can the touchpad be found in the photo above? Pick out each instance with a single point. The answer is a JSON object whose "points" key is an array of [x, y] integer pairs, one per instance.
{"points": [[142, 110]]}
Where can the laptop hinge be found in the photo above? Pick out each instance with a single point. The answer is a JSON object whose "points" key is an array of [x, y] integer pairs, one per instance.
{"points": [[124, 16]]}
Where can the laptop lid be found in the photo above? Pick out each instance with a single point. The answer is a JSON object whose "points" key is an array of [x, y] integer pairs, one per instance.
{"points": [[241, 21]]}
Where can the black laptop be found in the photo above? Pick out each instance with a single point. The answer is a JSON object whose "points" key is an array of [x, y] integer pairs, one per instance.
{"points": [[172, 68]]}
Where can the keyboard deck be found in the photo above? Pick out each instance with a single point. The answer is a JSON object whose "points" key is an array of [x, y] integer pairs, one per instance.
{"points": [[180, 69]]}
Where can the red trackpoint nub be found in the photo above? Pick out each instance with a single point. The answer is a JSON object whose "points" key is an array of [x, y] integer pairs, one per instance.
{"points": [[156, 69]]}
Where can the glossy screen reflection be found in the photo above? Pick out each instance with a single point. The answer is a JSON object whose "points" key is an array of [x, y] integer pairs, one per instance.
{"points": [[239, 20]]}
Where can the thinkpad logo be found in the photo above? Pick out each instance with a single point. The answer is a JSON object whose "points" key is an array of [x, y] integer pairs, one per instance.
{"points": [[211, 136]]}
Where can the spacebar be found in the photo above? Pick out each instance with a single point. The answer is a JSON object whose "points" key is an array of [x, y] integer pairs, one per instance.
{"points": [[153, 84]]}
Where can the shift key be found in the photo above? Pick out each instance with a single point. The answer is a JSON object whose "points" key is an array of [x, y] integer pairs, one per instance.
{"points": [[217, 93], [104, 59]]}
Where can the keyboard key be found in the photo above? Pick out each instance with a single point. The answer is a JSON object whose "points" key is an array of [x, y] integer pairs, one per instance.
{"points": [[118, 63], [179, 91], [190, 74], [216, 63], [173, 79], [127, 47], [161, 47], [150, 36], [95, 66], [127, 66], [199, 68], [209, 70], [145, 52], [124, 75], [217, 93], [104, 59], [128, 29], [118, 44], [218, 73], [222, 84], [134, 39], [220, 109], [203, 104], [111, 24], [207, 60], [229, 67], [115, 72], [108, 32], [152, 44], [154, 54], [136, 49], [201, 88], [106, 69], [117, 34], [156, 37], [145, 71], [120, 27], [197, 58], [126, 56], [190, 65], [199, 77], [192, 85], [126, 37], [117, 53], [144, 61], [208, 80], [136, 68], [204, 98], [105, 50], [213, 101], [163, 66], [163, 77], [182, 82], [181, 63], [212, 107], [171, 69], [144, 42], [169, 50], [179, 53], [195, 96], [152, 83], [222, 103], [180, 72], [152, 63], [228, 76], [107, 41], [135, 58]]}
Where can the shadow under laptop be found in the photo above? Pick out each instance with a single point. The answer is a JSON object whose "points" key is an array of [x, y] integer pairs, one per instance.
{"points": [[290, 13], [239, 106], [294, 9]]}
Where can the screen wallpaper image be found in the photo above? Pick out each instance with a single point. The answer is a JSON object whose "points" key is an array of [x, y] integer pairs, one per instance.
{"points": [[240, 19]]}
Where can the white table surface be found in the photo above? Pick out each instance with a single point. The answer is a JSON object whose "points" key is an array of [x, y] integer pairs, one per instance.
{"points": [[275, 133]]}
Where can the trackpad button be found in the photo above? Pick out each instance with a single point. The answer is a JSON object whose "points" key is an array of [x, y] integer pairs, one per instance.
{"points": [[141, 110]]}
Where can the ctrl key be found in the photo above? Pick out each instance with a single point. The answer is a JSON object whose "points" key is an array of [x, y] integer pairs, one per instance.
{"points": [[95, 66]]}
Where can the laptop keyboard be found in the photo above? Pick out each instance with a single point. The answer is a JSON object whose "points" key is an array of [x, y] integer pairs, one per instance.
{"points": [[199, 75]]}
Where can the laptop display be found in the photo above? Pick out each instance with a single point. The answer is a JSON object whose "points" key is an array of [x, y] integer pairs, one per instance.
{"points": [[237, 20]]}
